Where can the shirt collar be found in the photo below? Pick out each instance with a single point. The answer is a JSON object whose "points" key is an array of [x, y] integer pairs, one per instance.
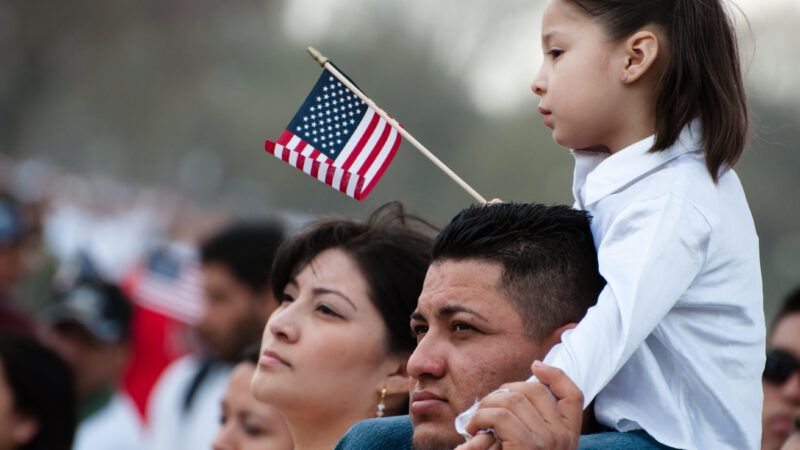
{"points": [[598, 175]]}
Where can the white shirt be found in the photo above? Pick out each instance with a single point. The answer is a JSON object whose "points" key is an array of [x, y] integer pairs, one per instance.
{"points": [[116, 426], [172, 429], [675, 344]]}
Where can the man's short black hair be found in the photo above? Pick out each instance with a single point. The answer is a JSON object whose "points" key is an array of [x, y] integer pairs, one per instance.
{"points": [[246, 250], [547, 255]]}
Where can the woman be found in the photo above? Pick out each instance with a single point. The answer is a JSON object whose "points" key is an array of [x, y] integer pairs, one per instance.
{"points": [[246, 423], [334, 352], [38, 409]]}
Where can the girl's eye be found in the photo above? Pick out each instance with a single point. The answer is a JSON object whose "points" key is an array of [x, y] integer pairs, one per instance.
{"points": [[555, 53], [252, 430], [327, 310]]}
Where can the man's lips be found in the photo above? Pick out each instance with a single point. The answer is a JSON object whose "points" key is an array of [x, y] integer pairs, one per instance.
{"points": [[426, 402], [270, 358]]}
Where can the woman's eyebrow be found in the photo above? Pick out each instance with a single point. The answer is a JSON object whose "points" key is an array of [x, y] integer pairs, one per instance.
{"points": [[320, 291]]}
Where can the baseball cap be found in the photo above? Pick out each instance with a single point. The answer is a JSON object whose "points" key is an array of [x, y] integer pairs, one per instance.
{"points": [[98, 306]]}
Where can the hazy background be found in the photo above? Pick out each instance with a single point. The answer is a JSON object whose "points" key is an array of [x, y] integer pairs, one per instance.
{"points": [[181, 94]]}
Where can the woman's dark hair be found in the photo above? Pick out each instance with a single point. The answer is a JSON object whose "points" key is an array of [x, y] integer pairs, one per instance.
{"points": [[42, 387], [703, 78], [392, 249]]}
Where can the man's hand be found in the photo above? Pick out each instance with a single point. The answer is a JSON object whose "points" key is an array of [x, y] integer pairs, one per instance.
{"points": [[527, 416]]}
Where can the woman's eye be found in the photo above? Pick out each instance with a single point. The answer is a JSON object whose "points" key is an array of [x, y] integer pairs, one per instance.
{"points": [[253, 430], [285, 298], [222, 419], [555, 53], [328, 311]]}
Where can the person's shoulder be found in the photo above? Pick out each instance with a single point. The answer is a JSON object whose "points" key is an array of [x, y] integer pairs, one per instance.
{"points": [[391, 432]]}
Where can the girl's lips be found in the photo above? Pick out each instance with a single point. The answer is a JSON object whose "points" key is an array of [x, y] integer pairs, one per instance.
{"points": [[548, 117]]}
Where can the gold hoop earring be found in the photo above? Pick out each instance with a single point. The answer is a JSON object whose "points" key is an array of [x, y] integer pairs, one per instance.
{"points": [[381, 404]]}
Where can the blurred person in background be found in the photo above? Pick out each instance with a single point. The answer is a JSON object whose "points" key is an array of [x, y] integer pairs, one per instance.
{"points": [[12, 317], [781, 380], [37, 397], [89, 326], [246, 423], [334, 352], [184, 408]]}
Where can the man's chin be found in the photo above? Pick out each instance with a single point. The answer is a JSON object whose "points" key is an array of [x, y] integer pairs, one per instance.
{"points": [[435, 436]]}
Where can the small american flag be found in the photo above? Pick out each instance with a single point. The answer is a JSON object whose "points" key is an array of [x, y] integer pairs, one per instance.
{"points": [[338, 139]]}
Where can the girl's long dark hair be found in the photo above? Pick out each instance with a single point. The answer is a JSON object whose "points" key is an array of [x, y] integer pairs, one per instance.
{"points": [[703, 77]]}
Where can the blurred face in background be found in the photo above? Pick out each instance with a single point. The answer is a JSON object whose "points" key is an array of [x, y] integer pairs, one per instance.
{"points": [[15, 428], [782, 396], [235, 315], [246, 423], [95, 364]]}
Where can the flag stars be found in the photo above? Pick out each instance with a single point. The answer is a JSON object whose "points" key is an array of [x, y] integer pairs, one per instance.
{"points": [[325, 88], [339, 141]]}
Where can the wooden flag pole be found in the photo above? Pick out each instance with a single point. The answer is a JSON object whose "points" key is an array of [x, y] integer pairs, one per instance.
{"points": [[325, 62]]}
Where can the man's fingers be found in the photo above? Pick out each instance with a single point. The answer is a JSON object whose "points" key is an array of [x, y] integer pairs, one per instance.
{"points": [[570, 398], [482, 441], [517, 403], [507, 427]]}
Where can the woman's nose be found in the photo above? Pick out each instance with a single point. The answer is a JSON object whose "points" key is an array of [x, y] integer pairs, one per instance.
{"points": [[282, 324]]}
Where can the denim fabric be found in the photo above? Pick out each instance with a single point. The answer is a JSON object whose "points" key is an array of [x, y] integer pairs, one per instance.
{"points": [[632, 440], [393, 433]]}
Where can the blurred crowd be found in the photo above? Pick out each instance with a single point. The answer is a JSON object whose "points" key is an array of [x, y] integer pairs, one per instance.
{"points": [[131, 319]]}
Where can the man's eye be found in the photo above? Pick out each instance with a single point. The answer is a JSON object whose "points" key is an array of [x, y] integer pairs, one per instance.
{"points": [[460, 327], [418, 330]]}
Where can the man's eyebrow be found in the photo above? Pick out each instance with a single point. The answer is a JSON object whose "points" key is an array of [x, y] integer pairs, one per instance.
{"points": [[320, 291], [450, 310]]}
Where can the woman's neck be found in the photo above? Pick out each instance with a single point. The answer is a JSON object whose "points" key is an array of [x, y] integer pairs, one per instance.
{"points": [[318, 433]]}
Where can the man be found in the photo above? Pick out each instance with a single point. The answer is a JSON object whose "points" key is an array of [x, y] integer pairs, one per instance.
{"points": [[89, 328], [184, 409], [12, 318], [506, 281], [781, 381]]}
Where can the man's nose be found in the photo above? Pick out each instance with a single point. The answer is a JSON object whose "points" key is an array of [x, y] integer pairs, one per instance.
{"points": [[427, 359]]}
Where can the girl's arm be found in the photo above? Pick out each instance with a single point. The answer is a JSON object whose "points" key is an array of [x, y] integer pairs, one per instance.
{"points": [[649, 255]]}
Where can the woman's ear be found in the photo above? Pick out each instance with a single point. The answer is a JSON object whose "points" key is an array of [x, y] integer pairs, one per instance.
{"points": [[24, 430], [641, 53], [397, 386]]}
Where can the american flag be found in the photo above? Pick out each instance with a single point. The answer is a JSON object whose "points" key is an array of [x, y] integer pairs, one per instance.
{"points": [[338, 139]]}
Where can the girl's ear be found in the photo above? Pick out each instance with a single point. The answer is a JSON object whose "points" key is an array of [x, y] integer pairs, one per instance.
{"points": [[641, 50]]}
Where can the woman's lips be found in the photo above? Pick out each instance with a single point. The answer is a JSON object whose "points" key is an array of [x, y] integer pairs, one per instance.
{"points": [[426, 402], [271, 359]]}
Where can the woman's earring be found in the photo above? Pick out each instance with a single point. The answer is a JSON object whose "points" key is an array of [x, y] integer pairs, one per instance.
{"points": [[381, 404], [625, 77]]}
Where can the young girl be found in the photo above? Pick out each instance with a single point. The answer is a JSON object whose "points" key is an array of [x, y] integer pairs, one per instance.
{"points": [[649, 94]]}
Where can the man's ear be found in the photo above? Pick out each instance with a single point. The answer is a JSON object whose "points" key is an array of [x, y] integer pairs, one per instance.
{"points": [[555, 336], [641, 51], [25, 429]]}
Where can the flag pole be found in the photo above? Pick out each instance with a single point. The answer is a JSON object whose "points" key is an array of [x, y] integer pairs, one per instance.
{"points": [[325, 62]]}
